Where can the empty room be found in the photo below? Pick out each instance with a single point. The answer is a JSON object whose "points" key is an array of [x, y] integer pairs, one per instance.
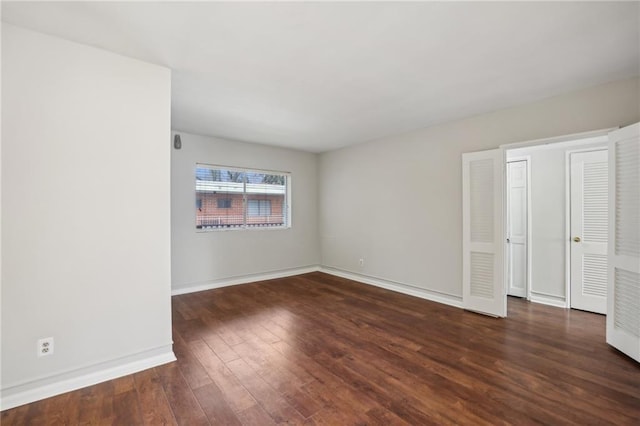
{"points": [[320, 213]]}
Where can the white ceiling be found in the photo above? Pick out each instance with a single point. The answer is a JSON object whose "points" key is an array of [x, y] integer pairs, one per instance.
{"points": [[319, 76]]}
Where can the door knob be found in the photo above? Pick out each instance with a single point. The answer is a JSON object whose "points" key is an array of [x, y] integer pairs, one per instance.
{"points": [[576, 239], [508, 240]]}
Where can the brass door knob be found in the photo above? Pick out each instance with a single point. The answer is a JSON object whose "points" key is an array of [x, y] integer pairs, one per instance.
{"points": [[576, 239]]}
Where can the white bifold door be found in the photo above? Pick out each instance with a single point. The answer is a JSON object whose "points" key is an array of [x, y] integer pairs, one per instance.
{"points": [[588, 241], [482, 227], [623, 296]]}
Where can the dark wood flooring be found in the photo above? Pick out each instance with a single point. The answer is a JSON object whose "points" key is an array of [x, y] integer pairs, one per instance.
{"points": [[316, 349]]}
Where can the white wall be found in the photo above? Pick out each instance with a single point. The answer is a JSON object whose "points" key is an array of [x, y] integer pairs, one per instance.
{"points": [[85, 214], [0, 208], [212, 258], [396, 202]]}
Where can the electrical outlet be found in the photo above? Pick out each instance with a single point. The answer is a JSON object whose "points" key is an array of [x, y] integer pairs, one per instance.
{"points": [[45, 346], [361, 261]]}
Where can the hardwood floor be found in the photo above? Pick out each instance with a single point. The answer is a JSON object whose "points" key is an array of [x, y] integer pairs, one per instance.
{"points": [[316, 349]]}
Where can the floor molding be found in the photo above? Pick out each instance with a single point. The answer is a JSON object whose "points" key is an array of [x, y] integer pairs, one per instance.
{"points": [[548, 299], [244, 279], [397, 287], [434, 296], [55, 385]]}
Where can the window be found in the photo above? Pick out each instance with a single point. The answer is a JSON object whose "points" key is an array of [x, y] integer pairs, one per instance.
{"points": [[259, 208], [224, 203], [235, 198]]}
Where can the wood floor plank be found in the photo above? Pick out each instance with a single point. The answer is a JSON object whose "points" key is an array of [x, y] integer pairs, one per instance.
{"points": [[128, 410], [224, 330], [90, 404], [191, 369], [317, 349], [263, 363], [380, 416], [255, 416], [56, 410], [319, 372], [154, 405], [302, 402], [16, 416], [123, 384], [216, 408], [220, 347], [183, 403], [273, 403], [236, 395]]}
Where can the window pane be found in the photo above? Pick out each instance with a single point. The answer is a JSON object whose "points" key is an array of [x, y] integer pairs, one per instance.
{"points": [[265, 207], [266, 195], [253, 208], [221, 193], [224, 203], [259, 208]]}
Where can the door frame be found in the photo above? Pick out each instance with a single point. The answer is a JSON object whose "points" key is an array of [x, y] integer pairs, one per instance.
{"points": [[580, 139], [567, 211], [527, 159]]}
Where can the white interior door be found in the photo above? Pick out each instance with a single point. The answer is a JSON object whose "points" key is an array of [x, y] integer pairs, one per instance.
{"points": [[623, 304], [589, 219], [482, 226], [517, 228]]}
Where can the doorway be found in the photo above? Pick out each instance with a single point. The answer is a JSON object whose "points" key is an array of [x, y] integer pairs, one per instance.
{"points": [[566, 198], [484, 231]]}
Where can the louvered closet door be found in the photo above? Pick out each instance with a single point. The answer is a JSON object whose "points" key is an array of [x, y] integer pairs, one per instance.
{"points": [[589, 210], [623, 304], [483, 251]]}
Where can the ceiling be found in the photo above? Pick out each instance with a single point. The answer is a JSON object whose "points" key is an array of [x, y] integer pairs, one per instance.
{"points": [[320, 76]]}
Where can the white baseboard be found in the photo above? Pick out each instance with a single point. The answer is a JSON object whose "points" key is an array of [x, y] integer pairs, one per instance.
{"points": [[88, 376], [548, 299], [433, 296], [244, 279]]}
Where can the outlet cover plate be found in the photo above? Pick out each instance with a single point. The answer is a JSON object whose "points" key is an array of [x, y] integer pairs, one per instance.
{"points": [[45, 346]]}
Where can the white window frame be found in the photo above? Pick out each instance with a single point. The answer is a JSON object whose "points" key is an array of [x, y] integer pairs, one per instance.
{"points": [[286, 209]]}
